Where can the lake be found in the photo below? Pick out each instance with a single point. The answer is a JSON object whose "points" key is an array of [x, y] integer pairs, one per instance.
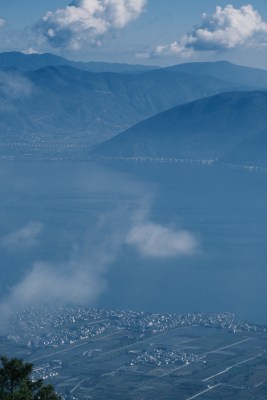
{"points": [[67, 217]]}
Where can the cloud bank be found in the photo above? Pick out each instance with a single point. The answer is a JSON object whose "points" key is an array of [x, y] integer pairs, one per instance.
{"points": [[82, 278], [78, 280], [14, 85], [153, 240], [227, 28], [86, 21], [30, 51], [23, 238]]}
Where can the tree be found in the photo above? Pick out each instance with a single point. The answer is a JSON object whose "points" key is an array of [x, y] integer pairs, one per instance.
{"points": [[16, 382]]}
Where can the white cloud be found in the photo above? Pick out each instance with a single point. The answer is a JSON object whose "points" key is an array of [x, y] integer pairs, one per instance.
{"points": [[78, 280], [47, 284], [2, 22], [227, 28], [31, 50], [14, 85], [82, 278], [23, 238], [86, 21], [153, 240], [182, 48]]}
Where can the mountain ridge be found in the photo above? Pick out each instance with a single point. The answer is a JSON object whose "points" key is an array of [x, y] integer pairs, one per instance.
{"points": [[205, 129], [226, 71], [67, 104], [30, 62]]}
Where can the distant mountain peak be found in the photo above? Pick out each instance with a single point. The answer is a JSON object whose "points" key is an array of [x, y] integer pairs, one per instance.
{"points": [[30, 62]]}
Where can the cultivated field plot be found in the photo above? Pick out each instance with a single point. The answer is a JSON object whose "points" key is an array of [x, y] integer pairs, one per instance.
{"points": [[183, 363]]}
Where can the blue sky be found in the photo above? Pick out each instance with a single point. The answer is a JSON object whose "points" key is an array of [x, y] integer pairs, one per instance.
{"points": [[161, 32]]}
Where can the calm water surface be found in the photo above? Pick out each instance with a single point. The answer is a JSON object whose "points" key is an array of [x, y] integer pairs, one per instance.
{"points": [[225, 209]]}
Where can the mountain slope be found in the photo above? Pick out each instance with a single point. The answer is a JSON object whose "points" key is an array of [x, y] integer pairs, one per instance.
{"points": [[226, 71], [67, 105], [221, 70], [206, 129]]}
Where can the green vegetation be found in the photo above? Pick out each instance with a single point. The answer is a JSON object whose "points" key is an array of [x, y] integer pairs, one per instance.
{"points": [[16, 383]]}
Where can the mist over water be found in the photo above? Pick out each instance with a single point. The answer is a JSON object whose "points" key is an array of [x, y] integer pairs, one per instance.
{"points": [[143, 236]]}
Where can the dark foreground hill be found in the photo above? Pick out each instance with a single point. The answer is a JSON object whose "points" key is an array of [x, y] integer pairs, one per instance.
{"points": [[220, 127]]}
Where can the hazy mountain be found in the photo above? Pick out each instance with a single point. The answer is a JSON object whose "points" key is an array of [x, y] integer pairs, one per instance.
{"points": [[68, 105], [226, 71], [30, 62], [222, 70], [206, 129]]}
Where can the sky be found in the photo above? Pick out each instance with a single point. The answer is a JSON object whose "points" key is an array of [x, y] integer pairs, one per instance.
{"points": [[157, 32]]}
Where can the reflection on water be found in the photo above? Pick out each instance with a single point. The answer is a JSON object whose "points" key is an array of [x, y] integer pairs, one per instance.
{"points": [[224, 209]]}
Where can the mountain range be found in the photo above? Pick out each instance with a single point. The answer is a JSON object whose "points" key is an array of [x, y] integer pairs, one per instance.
{"points": [[193, 110], [228, 127], [225, 71], [57, 103], [62, 104], [30, 62]]}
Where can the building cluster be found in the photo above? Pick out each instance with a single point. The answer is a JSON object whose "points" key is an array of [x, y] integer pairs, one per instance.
{"points": [[161, 356], [46, 370], [44, 327]]}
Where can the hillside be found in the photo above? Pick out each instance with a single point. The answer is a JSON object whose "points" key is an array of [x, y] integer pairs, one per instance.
{"points": [[47, 105], [69, 106], [207, 129], [226, 71]]}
